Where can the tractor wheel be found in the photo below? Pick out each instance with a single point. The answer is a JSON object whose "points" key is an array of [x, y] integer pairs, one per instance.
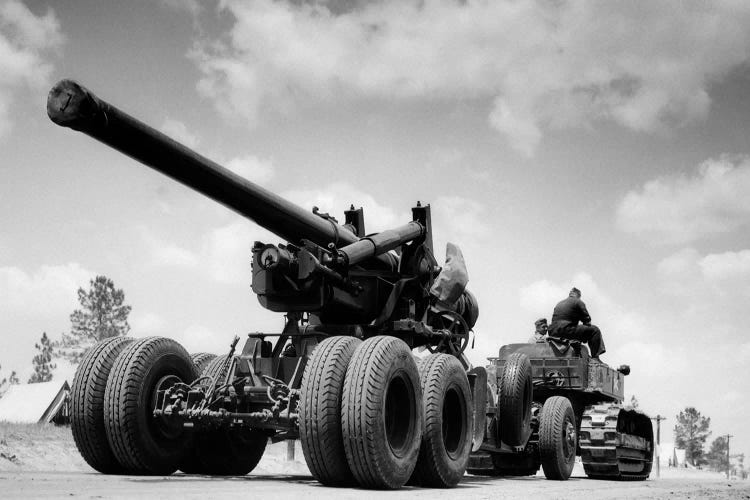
{"points": [[514, 399], [142, 443], [215, 369], [382, 413], [227, 452], [223, 452], [557, 438], [87, 404], [201, 360], [447, 432], [320, 410]]}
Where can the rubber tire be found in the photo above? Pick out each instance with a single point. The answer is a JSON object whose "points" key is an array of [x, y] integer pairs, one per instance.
{"points": [[447, 407], [223, 452], [514, 399], [228, 452], [201, 360], [134, 434], [557, 455], [87, 404], [213, 369], [192, 462], [382, 413], [320, 411]]}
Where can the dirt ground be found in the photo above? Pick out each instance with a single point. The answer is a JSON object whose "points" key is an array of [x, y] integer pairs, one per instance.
{"points": [[43, 463]]}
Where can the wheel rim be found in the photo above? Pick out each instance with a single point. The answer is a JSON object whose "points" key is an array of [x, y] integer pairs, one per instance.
{"points": [[453, 422], [399, 414], [569, 440], [166, 427]]}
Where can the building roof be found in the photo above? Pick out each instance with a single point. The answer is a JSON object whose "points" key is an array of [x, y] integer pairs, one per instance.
{"points": [[32, 403]]}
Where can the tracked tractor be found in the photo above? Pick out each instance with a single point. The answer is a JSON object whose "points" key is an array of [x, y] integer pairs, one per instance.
{"points": [[550, 402]]}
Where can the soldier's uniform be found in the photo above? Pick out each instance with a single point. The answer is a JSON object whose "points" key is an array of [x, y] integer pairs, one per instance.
{"points": [[565, 321]]}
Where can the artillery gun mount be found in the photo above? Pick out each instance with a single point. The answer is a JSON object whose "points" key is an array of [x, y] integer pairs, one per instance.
{"points": [[552, 401], [340, 376]]}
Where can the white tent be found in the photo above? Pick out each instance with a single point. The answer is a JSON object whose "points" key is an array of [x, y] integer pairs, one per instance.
{"points": [[32, 403]]}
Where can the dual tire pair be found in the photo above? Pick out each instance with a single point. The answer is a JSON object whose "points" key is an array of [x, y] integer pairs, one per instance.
{"points": [[370, 416], [113, 396]]}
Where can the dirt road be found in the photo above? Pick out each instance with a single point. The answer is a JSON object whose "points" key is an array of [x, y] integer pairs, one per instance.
{"points": [[42, 462], [92, 485]]}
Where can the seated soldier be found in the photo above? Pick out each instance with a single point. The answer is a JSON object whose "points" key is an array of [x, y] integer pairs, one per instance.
{"points": [[565, 318], [540, 332]]}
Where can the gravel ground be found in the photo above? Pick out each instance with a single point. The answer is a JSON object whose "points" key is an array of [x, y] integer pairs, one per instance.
{"points": [[43, 463]]}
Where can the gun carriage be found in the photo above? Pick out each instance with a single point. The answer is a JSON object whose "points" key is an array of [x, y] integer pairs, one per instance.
{"points": [[340, 375]]}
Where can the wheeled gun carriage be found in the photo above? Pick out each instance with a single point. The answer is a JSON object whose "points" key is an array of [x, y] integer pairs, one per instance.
{"points": [[340, 376]]}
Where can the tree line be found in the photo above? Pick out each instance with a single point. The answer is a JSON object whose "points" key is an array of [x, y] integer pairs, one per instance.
{"points": [[102, 314], [691, 433]]}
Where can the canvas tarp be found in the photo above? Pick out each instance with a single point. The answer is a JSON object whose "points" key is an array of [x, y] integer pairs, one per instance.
{"points": [[32, 403]]}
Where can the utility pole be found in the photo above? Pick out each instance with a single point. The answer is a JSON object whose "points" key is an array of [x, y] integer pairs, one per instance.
{"points": [[658, 419], [728, 465]]}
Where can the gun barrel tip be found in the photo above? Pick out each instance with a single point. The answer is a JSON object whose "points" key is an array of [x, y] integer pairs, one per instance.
{"points": [[69, 103]]}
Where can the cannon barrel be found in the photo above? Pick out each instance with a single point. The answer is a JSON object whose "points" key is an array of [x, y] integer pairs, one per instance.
{"points": [[69, 104]]}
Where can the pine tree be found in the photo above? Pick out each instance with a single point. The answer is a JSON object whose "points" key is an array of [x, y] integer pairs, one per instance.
{"points": [[6, 382], [690, 433], [102, 315], [42, 362], [717, 455]]}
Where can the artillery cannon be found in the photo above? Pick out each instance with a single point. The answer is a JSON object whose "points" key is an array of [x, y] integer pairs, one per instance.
{"points": [[340, 375]]}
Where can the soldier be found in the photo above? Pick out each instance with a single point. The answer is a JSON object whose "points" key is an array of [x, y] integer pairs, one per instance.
{"points": [[565, 318], [540, 332]]}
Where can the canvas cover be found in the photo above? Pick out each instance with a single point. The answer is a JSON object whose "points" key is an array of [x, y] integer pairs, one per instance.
{"points": [[32, 403]]}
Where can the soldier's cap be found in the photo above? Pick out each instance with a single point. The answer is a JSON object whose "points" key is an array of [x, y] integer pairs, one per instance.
{"points": [[540, 321], [575, 290]]}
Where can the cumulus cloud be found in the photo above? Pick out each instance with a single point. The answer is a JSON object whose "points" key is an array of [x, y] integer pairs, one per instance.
{"points": [[26, 41], [198, 338], [689, 271], [727, 265], [143, 324], [49, 289], [684, 208], [252, 168], [541, 65], [339, 196], [179, 132]]}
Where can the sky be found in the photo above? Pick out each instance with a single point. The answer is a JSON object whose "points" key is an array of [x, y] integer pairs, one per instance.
{"points": [[602, 145]]}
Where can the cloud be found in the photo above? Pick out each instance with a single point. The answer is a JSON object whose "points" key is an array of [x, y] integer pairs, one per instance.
{"points": [[198, 338], [727, 272], [679, 209], [192, 7], [541, 65], [168, 254], [727, 265], [460, 219], [51, 289], [25, 43], [252, 168], [179, 132], [339, 196], [144, 324]]}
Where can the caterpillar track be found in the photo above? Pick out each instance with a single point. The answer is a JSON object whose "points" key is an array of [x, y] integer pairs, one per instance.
{"points": [[616, 443]]}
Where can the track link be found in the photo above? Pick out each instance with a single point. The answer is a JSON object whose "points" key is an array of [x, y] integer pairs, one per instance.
{"points": [[616, 443]]}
